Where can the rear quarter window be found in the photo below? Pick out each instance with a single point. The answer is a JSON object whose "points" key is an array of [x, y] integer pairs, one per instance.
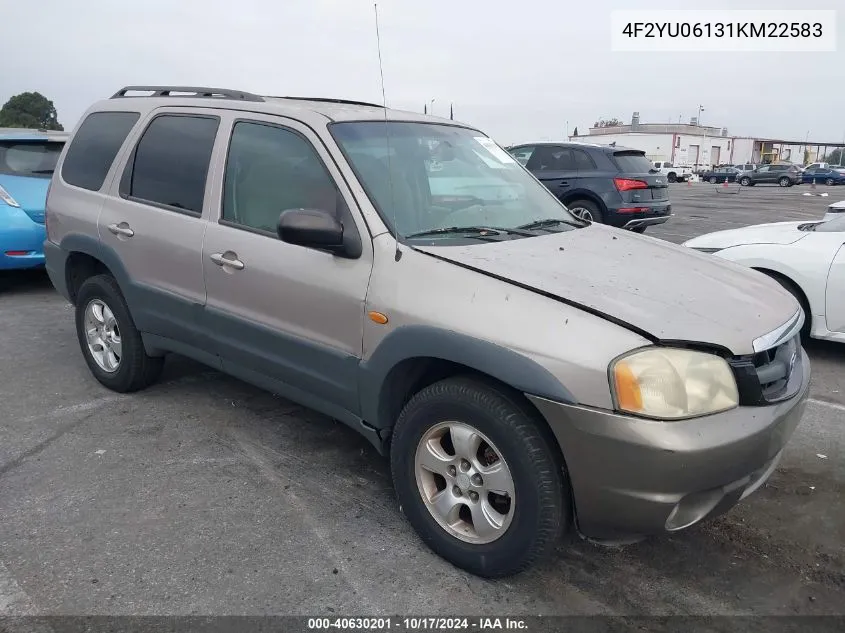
{"points": [[632, 162], [95, 146]]}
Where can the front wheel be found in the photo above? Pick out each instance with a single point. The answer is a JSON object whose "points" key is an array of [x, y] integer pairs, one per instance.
{"points": [[784, 182], [713, 180], [830, 182], [672, 177], [478, 477], [745, 182]]}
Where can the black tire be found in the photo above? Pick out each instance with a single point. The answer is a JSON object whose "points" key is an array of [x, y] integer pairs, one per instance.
{"points": [[830, 182], [639, 229], [745, 181], [713, 180], [672, 177], [796, 292], [785, 182], [136, 369], [542, 509], [589, 206]]}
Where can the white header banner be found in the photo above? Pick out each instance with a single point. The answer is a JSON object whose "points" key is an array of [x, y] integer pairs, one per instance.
{"points": [[723, 31]]}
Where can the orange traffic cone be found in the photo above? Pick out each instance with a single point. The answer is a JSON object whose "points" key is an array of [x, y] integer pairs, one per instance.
{"points": [[689, 181]]}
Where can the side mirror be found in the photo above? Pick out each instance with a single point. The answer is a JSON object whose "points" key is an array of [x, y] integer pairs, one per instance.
{"points": [[311, 227]]}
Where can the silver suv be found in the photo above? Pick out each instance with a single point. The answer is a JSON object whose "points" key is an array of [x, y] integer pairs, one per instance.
{"points": [[527, 372]]}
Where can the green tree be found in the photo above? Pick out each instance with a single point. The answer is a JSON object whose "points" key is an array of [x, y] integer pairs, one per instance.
{"points": [[30, 110], [835, 157], [614, 122]]}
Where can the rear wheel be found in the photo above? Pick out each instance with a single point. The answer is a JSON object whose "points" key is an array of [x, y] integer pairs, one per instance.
{"points": [[672, 177], [830, 182], [586, 210], [478, 477], [713, 180], [784, 182], [745, 181], [110, 342]]}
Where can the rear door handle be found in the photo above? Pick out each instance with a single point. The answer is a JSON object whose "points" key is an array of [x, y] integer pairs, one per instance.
{"points": [[228, 258], [121, 230]]}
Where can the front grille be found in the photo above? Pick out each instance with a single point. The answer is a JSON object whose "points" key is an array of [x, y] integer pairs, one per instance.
{"points": [[769, 376]]}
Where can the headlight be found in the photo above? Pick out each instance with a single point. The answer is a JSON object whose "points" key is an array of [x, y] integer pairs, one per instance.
{"points": [[5, 197], [672, 384]]}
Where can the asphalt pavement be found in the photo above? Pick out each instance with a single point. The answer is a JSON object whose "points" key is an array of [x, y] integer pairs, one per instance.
{"points": [[204, 495]]}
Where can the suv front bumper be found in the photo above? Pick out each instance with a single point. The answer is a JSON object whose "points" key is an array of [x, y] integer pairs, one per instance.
{"points": [[632, 477]]}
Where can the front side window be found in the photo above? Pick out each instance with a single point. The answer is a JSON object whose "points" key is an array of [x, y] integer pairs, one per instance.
{"points": [[269, 170], [426, 176], [95, 146], [36, 159], [551, 158], [170, 165]]}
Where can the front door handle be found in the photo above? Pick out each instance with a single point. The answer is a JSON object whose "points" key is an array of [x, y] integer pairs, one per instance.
{"points": [[228, 258], [121, 230]]}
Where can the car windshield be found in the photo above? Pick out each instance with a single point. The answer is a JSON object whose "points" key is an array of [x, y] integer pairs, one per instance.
{"points": [[427, 177], [29, 158]]}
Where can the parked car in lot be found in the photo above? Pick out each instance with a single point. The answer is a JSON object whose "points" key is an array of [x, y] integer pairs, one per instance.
{"points": [[825, 175], [672, 172], [782, 175], [721, 174], [600, 183], [27, 161], [835, 210], [806, 258], [526, 371]]}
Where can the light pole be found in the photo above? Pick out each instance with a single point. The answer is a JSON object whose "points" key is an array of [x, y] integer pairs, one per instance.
{"points": [[703, 135], [431, 106]]}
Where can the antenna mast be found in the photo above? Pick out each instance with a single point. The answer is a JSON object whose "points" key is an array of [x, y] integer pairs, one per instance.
{"points": [[398, 253]]}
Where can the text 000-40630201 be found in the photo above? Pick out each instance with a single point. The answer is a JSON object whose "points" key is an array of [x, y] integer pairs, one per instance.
{"points": [[724, 31]]}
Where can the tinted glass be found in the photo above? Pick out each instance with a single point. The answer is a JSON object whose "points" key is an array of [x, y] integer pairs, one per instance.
{"points": [[171, 161], [632, 162], [551, 158], [29, 158], [94, 147], [418, 190], [269, 170], [522, 154], [583, 162]]}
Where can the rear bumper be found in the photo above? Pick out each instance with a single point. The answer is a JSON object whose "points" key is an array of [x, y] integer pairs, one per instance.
{"points": [[55, 259], [647, 214], [633, 477], [20, 240]]}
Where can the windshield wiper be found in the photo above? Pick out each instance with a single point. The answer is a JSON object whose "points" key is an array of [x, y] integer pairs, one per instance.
{"points": [[43, 171], [549, 222], [475, 231]]}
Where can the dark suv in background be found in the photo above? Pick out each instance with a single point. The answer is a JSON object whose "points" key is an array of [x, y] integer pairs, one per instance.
{"points": [[602, 183], [783, 175]]}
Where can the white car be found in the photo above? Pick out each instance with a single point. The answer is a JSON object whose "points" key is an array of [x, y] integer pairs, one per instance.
{"points": [[835, 210], [806, 258]]}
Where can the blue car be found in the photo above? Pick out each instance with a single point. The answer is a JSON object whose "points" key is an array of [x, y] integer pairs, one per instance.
{"points": [[27, 161], [824, 176]]}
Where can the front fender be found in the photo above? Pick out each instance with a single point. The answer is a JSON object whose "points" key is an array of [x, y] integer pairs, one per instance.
{"points": [[424, 342]]}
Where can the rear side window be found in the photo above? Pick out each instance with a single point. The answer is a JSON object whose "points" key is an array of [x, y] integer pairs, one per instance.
{"points": [[632, 162], [36, 159], [170, 162], [94, 147], [583, 162]]}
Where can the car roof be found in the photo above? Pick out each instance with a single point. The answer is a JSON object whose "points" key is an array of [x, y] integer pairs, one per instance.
{"points": [[605, 147], [28, 134], [311, 110]]}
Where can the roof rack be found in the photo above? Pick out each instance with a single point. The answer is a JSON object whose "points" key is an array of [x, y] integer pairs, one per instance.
{"points": [[192, 91], [331, 100]]}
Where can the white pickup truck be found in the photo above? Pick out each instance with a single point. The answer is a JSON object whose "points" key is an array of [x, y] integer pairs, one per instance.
{"points": [[673, 173]]}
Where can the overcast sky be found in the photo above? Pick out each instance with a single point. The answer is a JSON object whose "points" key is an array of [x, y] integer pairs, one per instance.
{"points": [[518, 69]]}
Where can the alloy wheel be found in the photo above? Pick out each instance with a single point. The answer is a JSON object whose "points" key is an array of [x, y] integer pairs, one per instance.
{"points": [[103, 336]]}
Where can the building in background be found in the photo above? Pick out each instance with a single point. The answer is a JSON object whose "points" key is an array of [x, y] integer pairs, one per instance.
{"points": [[699, 146]]}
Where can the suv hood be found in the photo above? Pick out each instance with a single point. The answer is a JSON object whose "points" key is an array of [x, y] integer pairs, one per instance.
{"points": [[773, 233], [664, 291]]}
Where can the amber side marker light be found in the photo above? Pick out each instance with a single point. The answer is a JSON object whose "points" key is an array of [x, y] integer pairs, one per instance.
{"points": [[628, 392], [377, 317]]}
